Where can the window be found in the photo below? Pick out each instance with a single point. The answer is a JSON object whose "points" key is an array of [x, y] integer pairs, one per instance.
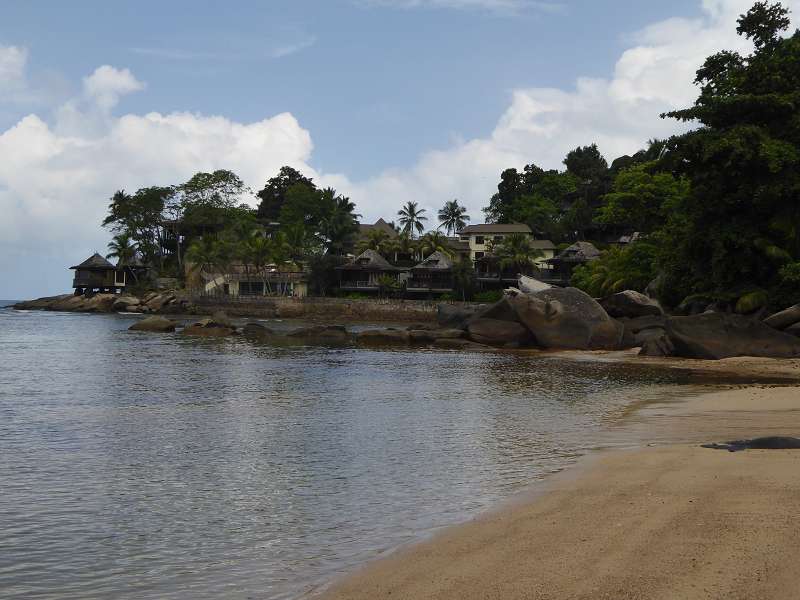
{"points": [[464, 238], [479, 255], [479, 240]]}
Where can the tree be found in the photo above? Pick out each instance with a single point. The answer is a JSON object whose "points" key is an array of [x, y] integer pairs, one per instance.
{"points": [[412, 217], [641, 200], [140, 216], [123, 248], [586, 163], [203, 255], [453, 217], [376, 239], [434, 241], [619, 268], [273, 195], [508, 190], [742, 162], [405, 245], [464, 279], [517, 252]]}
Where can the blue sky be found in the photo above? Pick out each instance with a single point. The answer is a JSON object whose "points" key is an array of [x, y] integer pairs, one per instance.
{"points": [[386, 100], [375, 84]]}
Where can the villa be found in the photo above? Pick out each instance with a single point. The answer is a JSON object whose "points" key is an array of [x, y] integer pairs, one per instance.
{"points": [[96, 274], [432, 275], [368, 272]]}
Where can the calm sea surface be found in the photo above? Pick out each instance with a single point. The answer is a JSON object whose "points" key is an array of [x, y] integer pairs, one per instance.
{"points": [[141, 466]]}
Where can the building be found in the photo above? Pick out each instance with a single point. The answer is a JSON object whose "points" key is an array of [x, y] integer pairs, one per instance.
{"points": [[434, 275], [365, 273], [96, 274], [239, 281], [565, 262], [481, 239], [492, 275]]}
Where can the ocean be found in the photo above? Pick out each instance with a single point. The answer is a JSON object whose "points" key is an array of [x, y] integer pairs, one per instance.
{"points": [[144, 466]]}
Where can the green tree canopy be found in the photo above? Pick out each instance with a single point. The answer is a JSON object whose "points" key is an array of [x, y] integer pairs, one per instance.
{"points": [[273, 195], [743, 162], [453, 217]]}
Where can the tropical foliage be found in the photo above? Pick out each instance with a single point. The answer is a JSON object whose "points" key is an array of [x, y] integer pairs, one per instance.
{"points": [[412, 218], [453, 217]]}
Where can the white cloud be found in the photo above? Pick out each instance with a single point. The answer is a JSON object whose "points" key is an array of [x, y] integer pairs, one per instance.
{"points": [[541, 125], [106, 85]]}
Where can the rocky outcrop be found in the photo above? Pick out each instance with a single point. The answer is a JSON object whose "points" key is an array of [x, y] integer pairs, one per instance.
{"points": [[428, 336], [383, 337], [257, 331], [454, 316], [321, 334], [785, 318], [529, 285], [496, 332], [154, 324], [567, 318], [217, 326], [152, 302], [657, 344], [717, 335], [793, 330], [631, 304]]}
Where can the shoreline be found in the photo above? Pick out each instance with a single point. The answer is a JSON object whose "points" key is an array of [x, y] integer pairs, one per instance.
{"points": [[626, 523]]}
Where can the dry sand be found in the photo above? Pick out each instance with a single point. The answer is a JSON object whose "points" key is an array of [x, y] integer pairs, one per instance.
{"points": [[670, 522]]}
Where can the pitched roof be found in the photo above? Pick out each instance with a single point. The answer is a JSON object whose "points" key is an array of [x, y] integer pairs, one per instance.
{"points": [[495, 228], [369, 260], [438, 260], [95, 263], [365, 228], [543, 245], [578, 252]]}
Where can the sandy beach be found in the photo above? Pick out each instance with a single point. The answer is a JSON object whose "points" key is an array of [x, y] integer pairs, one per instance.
{"points": [[666, 520]]}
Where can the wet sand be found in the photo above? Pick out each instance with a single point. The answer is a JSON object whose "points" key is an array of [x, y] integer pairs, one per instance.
{"points": [[666, 521]]}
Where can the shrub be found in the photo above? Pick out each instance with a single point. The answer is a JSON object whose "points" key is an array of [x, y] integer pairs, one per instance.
{"points": [[488, 296]]}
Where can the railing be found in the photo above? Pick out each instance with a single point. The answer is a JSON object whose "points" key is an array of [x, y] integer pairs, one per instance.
{"points": [[93, 282], [358, 284]]}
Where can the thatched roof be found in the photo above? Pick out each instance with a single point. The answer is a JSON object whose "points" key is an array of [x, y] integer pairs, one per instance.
{"points": [[369, 260], [437, 261], [495, 228], [95, 263], [578, 252], [365, 228]]}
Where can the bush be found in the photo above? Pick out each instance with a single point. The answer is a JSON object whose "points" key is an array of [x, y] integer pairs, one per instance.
{"points": [[488, 296], [618, 269]]}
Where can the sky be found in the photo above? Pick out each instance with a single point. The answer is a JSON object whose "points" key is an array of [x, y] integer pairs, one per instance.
{"points": [[385, 100]]}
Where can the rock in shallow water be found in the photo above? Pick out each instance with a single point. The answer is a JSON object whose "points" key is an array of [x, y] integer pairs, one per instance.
{"points": [[154, 324]]}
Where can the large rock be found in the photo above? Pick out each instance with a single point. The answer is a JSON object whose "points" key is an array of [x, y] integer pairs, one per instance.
{"points": [[427, 336], [657, 344], [568, 318], [496, 332], [631, 304], [500, 311], [321, 334], [785, 318], [124, 302], [383, 337], [718, 335], [154, 324], [793, 330], [159, 301], [256, 330], [452, 315], [217, 326], [529, 285]]}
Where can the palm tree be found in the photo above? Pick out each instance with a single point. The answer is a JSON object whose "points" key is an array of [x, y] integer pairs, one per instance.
{"points": [[297, 241], [376, 239], [203, 254], [435, 241], [411, 218], [517, 251], [123, 248], [453, 217], [403, 244]]}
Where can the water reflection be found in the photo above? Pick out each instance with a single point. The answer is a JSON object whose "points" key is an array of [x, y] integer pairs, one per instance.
{"points": [[155, 466]]}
